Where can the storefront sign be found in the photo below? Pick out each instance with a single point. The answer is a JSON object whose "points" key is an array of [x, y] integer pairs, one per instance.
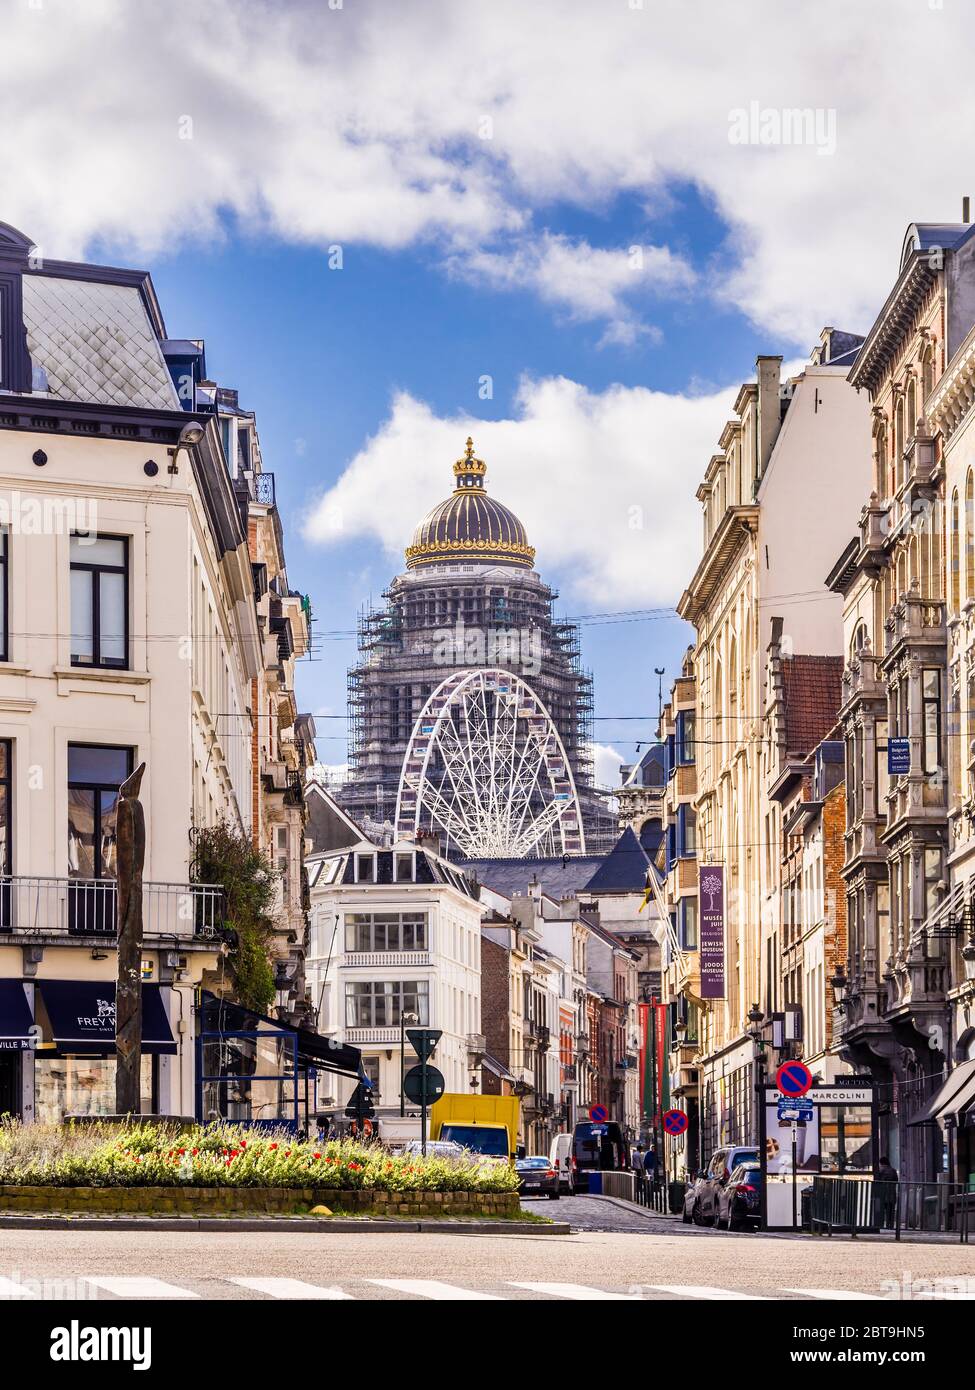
{"points": [[711, 888]]}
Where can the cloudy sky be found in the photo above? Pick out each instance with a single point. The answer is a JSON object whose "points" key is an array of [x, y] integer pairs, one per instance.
{"points": [[566, 228]]}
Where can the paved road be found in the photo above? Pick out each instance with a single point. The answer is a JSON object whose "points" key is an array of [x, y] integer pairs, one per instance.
{"points": [[658, 1260]]}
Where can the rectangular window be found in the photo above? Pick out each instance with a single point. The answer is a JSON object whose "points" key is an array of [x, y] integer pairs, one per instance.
{"points": [[99, 601], [385, 931], [365, 868], [382, 1004], [688, 924], [4, 608], [685, 736], [931, 704], [95, 774], [881, 775], [6, 826]]}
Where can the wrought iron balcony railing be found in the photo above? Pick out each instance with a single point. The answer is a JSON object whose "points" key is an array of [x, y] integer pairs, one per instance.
{"points": [[85, 907]]}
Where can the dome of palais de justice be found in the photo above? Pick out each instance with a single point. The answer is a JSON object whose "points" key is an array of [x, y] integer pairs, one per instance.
{"points": [[470, 525]]}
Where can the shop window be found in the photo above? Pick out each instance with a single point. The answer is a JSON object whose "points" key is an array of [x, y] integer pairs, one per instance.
{"points": [[84, 1086]]}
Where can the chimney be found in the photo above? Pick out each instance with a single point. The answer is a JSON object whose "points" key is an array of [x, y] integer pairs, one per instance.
{"points": [[966, 210]]}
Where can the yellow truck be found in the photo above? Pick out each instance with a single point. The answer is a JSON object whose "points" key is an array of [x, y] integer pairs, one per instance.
{"points": [[484, 1124]]}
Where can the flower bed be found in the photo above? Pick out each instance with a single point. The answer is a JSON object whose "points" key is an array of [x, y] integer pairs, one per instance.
{"points": [[227, 1156]]}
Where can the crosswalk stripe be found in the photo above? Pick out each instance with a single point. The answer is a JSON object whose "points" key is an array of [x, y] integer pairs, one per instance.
{"points": [[848, 1295], [432, 1288], [704, 1291], [289, 1288], [581, 1292], [141, 1286], [9, 1288]]}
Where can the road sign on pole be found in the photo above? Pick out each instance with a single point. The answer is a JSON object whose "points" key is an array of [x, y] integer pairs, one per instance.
{"points": [[793, 1079], [598, 1114], [675, 1122], [424, 1041], [424, 1084]]}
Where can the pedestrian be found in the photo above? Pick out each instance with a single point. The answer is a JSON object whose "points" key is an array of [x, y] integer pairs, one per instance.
{"points": [[639, 1176], [650, 1164], [885, 1187]]}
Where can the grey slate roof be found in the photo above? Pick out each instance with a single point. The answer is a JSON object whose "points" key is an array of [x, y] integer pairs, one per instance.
{"points": [[96, 343], [624, 870], [558, 878]]}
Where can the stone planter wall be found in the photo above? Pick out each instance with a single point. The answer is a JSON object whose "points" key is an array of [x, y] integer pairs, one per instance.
{"points": [[250, 1201]]}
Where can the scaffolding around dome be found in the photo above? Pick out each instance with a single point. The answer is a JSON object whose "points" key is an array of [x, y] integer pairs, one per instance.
{"points": [[466, 610]]}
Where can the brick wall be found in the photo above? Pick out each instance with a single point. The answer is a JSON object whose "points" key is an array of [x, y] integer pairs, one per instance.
{"points": [[495, 1022]]}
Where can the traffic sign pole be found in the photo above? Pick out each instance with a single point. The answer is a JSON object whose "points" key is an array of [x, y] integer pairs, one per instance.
{"points": [[795, 1177], [423, 1104]]}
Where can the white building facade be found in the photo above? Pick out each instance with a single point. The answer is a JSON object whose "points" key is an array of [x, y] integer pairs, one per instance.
{"points": [[394, 932]]}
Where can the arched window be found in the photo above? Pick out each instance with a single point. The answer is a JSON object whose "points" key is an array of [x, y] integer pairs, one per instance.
{"points": [[954, 541], [859, 640], [732, 725], [880, 480], [927, 373], [899, 442], [911, 419], [968, 530]]}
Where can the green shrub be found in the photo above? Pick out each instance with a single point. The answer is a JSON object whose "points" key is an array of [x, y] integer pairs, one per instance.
{"points": [[226, 1155]]}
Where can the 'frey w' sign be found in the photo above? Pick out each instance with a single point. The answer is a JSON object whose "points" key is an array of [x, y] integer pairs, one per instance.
{"points": [[711, 889]]}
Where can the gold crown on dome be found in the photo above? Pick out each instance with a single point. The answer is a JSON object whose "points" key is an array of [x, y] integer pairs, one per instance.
{"points": [[469, 464]]}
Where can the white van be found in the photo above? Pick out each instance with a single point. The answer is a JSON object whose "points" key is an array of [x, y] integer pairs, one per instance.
{"points": [[560, 1158]]}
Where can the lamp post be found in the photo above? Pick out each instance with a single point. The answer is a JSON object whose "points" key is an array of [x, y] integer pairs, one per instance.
{"points": [[404, 1019], [755, 1020]]}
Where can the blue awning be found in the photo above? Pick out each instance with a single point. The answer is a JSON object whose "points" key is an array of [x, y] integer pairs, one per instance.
{"points": [[82, 1017], [16, 1019]]}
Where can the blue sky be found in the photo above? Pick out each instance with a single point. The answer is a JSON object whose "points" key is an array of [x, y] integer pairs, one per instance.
{"points": [[320, 354]]}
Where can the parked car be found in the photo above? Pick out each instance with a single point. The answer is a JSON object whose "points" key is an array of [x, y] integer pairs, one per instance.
{"points": [[690, 1198], [595, 1149], [703, 1196], [537, 1177], [560, 1158], [740, 1199]]}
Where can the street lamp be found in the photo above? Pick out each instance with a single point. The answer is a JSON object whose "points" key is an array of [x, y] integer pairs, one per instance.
{"points": [[840, 985], [404, 1019]]}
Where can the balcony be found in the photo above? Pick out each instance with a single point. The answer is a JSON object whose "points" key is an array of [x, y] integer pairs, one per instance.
{"points": [[264, 489], [85, 908], [366, 959], [387, 1036]]}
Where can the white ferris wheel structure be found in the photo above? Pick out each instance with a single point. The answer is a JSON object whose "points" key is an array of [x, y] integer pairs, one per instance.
{"points": [[486, 766]]}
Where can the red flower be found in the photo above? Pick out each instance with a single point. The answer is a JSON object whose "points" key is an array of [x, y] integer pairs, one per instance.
{"points": [[272, 1146], [287, 1153], [195, 1152], [355, 1165], [183, 1151]]}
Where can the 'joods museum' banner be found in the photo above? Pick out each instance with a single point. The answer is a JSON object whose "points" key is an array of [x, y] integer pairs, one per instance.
{"points": [[711, 887]]}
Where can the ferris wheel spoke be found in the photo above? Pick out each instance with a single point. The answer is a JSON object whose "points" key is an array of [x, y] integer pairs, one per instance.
{"points": [[485, 763]]}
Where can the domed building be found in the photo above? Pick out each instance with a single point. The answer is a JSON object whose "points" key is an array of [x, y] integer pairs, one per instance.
{"points": [[471, 715]]}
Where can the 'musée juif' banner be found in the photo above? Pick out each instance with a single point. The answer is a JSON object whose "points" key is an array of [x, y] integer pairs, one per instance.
{"points": [[711, 887]]}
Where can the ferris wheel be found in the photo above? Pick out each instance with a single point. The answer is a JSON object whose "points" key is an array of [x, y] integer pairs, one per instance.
{"points": [[485, 764]]}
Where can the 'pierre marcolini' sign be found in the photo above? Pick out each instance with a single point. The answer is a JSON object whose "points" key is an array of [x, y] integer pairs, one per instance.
{"points": [[711, 891]]}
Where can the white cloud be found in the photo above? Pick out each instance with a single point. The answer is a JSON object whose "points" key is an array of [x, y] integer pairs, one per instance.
{"points": [[461, 126], [590, 282], [606, 764], [604, 483]]}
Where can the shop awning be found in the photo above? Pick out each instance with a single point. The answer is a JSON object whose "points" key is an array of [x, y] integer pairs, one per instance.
{"points": [[328, 1054], [222, 1016], [16, 1019], [952, 1098], [82, 1017]]}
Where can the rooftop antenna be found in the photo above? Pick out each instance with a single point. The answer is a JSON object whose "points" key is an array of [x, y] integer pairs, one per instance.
{"points": [[658, 671]]}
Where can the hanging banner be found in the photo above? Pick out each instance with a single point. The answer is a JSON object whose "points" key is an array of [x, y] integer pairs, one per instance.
{"points": [[711, 890]]}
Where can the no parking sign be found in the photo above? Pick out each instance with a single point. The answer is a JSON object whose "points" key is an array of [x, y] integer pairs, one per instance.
{"points": [[675, 1122]]}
